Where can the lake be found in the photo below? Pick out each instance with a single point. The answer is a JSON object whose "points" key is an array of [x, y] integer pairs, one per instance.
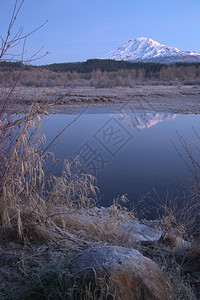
{"points": [[130, 152]]}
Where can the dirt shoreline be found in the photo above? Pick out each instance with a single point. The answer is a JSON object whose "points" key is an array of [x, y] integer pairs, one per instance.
{"points": [[176, 99]]}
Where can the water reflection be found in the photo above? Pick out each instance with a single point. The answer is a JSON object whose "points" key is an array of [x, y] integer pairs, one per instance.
{"points": [[129, 153], [145, 119]]}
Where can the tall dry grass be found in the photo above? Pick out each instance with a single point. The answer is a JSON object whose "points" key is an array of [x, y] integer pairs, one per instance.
{"points": [[32, 205]]}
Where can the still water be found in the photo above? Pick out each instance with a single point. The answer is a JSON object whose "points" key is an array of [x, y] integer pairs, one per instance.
{"points": [[130, 153]]}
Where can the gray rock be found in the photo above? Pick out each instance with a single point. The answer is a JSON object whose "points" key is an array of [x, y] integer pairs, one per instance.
{"points": [[142, 232], [133, 275]]}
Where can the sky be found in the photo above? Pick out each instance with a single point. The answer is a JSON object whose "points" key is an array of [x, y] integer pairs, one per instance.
{"points": [[78, 30]]}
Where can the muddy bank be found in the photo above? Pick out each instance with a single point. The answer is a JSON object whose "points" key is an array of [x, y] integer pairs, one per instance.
{"points": [[176, 99]]}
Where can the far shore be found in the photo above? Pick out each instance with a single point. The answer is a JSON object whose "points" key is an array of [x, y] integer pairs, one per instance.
{"points": [[184, 99]]}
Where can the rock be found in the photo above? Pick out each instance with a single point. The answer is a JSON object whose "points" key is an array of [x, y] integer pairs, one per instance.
{"points": [[126, 230], [142, 232], [132, 275]]}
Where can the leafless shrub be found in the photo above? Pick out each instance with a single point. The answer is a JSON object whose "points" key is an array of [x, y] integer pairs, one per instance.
{"points": [[36, 77]]}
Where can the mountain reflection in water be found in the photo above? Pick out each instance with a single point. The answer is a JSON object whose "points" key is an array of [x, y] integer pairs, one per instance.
{"points": [[129, 153], [145, 119]]}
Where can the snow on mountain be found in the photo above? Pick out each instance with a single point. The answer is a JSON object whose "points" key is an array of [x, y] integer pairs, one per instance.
{"points": [[144, 49]]}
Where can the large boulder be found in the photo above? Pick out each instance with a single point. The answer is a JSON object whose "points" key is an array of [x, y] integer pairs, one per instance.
{"points": [[132, 275]]}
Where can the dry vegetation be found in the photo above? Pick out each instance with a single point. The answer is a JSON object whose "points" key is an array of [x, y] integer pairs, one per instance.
{"points": [[169, 75], [44, 220]]}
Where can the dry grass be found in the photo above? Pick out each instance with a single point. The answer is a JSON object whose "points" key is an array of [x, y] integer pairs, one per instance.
{"points": [[31, 204], [61, 212], [45, 221]]}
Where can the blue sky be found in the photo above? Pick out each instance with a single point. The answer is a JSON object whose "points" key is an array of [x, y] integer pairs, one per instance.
{"points": [[81, 29]]}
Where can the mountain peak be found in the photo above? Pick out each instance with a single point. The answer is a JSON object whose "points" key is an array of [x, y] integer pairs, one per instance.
{"points": [[141, 39], [147, 50]]}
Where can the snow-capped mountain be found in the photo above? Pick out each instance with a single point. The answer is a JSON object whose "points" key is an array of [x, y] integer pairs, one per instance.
{"points": [[148, 50]]}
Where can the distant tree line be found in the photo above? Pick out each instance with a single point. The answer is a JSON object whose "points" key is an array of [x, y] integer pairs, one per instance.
{"points": [[104, 65], [11, 66], [100, 73]]}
